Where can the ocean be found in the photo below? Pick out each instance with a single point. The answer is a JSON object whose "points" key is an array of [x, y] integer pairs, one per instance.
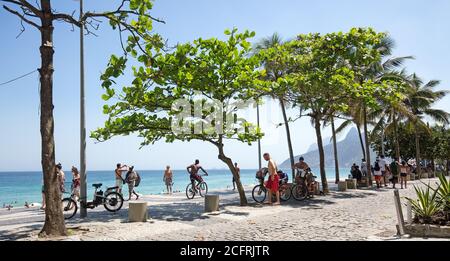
{"points": [[16, 188]]}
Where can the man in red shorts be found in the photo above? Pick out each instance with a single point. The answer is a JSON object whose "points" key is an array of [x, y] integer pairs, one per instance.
{"points": [[273, 182]]}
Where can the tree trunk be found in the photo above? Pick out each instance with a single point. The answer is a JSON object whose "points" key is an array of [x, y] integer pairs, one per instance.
{"points": [[288, 135], [323, 175], [447, 168], [229, 162], [54, 219], [368, 160], [383, 150], [416, 134], [259, 140], [336, 162], [397, 143], [361, 141]]}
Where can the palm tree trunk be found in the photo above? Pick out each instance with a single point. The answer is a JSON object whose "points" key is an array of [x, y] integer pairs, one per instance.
{"points": [[336, 162], [288, 135], [229, 162], [416, 134], [397, 143], [54, 219], [366, 136], [447, 168], [361, 141], [323, 175], [383, 149]]}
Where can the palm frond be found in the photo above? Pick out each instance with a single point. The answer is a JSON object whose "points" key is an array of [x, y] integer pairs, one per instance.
{"points": [[393, 63], [343, 126], [440, 116]]}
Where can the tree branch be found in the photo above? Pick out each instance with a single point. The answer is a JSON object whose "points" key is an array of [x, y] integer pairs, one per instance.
{"points": [[31, 7], [21, 17], [67, 18], [106, 14]]}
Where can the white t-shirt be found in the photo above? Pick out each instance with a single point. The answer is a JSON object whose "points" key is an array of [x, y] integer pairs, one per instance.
{"points": [[377, 172], [382, 164]]}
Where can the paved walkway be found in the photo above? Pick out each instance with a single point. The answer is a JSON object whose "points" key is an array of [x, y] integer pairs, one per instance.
{"points": [[352, 215]]}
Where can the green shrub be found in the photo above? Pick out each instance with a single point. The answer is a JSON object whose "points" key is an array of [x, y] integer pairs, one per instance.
{"points": [[443, 193], [426, 205]]}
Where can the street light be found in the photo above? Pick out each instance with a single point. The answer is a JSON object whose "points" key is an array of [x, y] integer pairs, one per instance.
{"points": [[83, 192]]}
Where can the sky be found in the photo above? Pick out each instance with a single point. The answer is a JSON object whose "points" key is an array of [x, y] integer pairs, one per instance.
{"points": [[419, 28]]}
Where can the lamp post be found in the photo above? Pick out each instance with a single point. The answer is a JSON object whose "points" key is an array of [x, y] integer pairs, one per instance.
{"points": [[83, 194], [259, 140]]}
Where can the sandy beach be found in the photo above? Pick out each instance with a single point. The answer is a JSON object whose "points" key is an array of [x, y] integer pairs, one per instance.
{"points": [[352, 215]]}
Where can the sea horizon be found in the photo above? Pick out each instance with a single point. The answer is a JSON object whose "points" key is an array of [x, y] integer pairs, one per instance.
{"points": [[25, 186]]}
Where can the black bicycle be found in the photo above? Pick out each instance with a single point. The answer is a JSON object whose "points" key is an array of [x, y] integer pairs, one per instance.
{"points": [[259, 192], [110, 199], [201, 188], [304, 186]]}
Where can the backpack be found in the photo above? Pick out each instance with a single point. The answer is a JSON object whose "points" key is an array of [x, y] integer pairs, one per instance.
{"points": [[377, 166], [138, 180]]}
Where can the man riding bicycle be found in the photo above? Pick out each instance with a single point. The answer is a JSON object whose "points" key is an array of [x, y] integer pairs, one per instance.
{"points": [[193, 171]]}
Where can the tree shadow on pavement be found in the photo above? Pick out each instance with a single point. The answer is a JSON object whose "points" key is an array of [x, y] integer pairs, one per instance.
{"points": [[22, 233]]}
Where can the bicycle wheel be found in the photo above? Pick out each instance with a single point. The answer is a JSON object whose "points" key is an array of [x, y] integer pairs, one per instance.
{"points": [[203, 189], [69, 207], [259, 193], [299, 192], [285, 193], [113, 202], [190, 193]]}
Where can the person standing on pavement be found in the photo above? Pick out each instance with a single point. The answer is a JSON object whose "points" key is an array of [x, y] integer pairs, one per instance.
{"points": [[273, 182]]}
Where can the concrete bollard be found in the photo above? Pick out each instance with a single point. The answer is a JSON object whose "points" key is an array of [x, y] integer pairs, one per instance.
{"points": [[317, 190], [351, 183], [137, 211], [408, 212], [342, 186], [211, 203]]}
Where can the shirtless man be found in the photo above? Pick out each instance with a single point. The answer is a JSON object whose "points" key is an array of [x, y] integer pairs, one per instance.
{"points": [[193, 171], [301, 164], [273, 182], [118, 175], [168, 177]]}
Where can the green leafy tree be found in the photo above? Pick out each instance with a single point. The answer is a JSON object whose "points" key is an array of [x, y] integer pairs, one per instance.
{"points": [[131, 16], [317, 80], [211, 70], [330, 70], [365, 58]]}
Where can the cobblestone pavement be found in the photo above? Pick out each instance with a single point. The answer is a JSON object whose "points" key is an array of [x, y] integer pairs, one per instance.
{"points": [[352, 215]]}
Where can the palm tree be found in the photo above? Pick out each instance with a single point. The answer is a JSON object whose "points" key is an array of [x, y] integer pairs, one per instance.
{"points": [[377, 73], [274, 71], [354, 116], [387, 119], [419, 99], [330, 119]]}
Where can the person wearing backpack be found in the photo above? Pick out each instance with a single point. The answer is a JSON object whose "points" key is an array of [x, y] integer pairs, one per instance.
{"points": [[377, 173], [394, 167], [133, 180]]}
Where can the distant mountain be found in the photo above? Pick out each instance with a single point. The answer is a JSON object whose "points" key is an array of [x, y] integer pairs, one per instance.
{"points": [[313, 147], [349, 152]]}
